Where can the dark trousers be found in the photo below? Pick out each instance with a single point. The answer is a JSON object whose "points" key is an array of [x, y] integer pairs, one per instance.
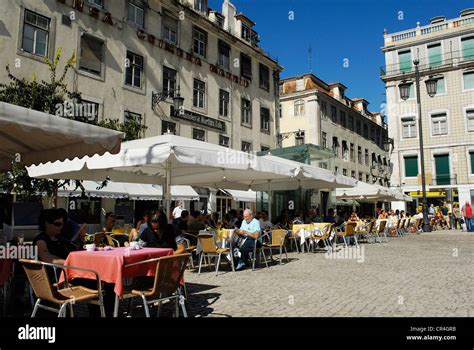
{"points": [[247, 248]]}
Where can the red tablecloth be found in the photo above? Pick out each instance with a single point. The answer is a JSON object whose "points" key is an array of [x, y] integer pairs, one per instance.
{"points": [[110, 264]]}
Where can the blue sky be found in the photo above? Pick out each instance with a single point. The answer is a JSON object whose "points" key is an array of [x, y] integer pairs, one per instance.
{"points": [[338, 30]]}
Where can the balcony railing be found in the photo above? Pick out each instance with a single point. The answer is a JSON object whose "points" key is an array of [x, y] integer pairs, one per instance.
{"points": [[428, 29], [448, 61], [441, 180]]}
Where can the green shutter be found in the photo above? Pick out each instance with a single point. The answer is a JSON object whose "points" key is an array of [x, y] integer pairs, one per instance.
{"points": [[411, 166], [404, 59], [472, 162], [468, 80], [442, 169], [434, 55], [468, 48]]}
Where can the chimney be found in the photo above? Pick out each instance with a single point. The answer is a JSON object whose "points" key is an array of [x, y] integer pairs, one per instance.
{"points": [[361, 105], [229, 11]]}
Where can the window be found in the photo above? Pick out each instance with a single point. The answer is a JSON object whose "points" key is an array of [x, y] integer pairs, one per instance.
{"points": [[200, 5], [353, 174], [199, 93], [245, 32], [440, 86], [470, 119], [359, 154], [324, 109], [366, 157], [335, 146], [265, 119], [245, 66], [35, 34], [404, 61], [246, 112], [372, 134], [351, 123], [199, 41], [345, 151], [136, 13], [336, 169], [246, 146], [334, 114], [134, 70], [434, 55], [90, 110], [359, 127], [224, 55], [91, 54], [367, 178], [344, 172], [411, 166], [264, 148], [170, 29], [468, 79], [224, 140], [264, 77], [299, 108], [224, 99], [299, 84], [130, 117], [168, 128], [352, 153], [342, 118], [360, 176], [169, 81], [439, 124], [471, 156], [408, 127], [323, 139], [199, 134], [299, 138], [468, 48], [98, 3]]}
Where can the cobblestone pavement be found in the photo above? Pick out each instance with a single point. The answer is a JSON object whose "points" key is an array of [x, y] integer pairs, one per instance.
{"points": [[431, 274], [427, 275]]}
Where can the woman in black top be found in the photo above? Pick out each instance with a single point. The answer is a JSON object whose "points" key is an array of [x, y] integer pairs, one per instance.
{"points": [[52, 247], [160, 234]]}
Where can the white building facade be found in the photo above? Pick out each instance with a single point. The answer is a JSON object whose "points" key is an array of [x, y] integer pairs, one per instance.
{"points": [[445, 50]]}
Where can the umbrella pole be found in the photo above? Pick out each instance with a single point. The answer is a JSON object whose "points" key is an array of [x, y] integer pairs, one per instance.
{"points": [[270, 200], [167, 189]]}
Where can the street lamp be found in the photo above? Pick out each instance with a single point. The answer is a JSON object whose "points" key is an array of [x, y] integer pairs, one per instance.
{"points": [[157, 97], [431, 86]]}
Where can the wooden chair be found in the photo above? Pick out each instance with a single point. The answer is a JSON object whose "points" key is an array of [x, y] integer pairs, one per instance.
{"points": [[381, 230], [105, 238], [369, 230], [278, 238], [210, 250], [164, 286], [44, 290], [349, 231], [400, 225], [324, 234]]}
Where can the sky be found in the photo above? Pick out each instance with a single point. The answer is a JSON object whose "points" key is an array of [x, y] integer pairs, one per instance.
{"points": [[345, 36]]}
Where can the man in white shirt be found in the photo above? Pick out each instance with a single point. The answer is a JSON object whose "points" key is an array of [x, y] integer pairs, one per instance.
{"points": [[177, 210]]}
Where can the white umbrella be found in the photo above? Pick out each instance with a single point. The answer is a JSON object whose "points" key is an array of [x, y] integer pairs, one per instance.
{"points": [[39, 137], [170, 160], [364, 190]]}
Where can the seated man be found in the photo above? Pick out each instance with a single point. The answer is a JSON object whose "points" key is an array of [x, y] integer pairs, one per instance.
{"points": [[250, 231]]}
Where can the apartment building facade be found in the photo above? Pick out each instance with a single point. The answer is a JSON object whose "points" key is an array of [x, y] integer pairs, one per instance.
{"points": [[445, 50], [314, 112], [135, 56]]}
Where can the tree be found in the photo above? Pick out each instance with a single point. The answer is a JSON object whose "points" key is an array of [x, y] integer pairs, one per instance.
{"points": [[46, 96]]}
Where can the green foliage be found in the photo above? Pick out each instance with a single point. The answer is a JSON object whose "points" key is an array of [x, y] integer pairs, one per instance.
{"points": [[133, 129]]}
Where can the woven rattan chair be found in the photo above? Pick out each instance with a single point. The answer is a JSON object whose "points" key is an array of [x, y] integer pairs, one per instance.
{"points": [[381, 230], [278, 239], [324, 234], [210, 250], [349, 231], [165, 285], [44, 290]]}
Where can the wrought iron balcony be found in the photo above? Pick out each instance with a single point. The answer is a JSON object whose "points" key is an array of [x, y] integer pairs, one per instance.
{"points": [[441, 180]]}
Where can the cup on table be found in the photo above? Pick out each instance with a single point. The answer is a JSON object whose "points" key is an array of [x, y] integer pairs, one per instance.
{"points": [[21, 239], [90, 247], [134, 245]]}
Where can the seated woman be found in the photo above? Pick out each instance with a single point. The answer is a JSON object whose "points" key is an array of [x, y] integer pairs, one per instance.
{"points": [[161, 234], [52, 247], [354, 217]]}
